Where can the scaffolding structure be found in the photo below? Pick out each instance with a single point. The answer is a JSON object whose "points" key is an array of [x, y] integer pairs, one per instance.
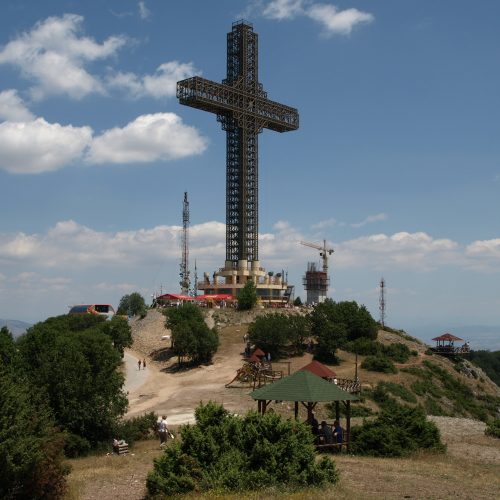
{"points": [[244, 111], [185, 281], [316, 284]]}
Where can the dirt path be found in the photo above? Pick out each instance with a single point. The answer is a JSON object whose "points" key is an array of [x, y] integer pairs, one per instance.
{"points": [[176, 394]]}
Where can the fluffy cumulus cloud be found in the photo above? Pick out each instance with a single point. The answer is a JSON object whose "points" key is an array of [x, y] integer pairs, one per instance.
{"points": [[416, 251], [162, 83], [338, 22], [38, 146], [333, 20], [54, 53], [160, 136], [12, 107]]}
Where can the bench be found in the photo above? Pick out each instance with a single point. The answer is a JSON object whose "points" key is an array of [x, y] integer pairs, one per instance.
{"points": [[331, 446], [121, 449]]}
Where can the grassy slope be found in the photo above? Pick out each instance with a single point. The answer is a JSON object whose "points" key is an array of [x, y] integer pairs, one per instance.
{"points": [[429, 476]]}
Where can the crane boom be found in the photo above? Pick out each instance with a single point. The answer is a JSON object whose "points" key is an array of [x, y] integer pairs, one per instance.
{"points": [[324, 252]]}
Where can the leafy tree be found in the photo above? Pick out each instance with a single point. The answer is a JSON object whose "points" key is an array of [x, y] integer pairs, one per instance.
{"points": [[30, 446], [274, 332], [132, 304], [224, 452], [120, 333], [397, 431], [186, 312], [77, 370], [247, 298], [335, 323], [297, 302], [7, 347], [191, 337]]}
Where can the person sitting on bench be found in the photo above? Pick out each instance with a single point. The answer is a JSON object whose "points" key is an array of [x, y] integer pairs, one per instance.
{"points": [[327, 433], [338, 434]]}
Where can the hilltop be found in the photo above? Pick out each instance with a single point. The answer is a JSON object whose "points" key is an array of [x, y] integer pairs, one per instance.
{"points": [[456, 395]]}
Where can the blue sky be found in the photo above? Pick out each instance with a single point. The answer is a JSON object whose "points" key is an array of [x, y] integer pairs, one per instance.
{"points": [[396, 162]]}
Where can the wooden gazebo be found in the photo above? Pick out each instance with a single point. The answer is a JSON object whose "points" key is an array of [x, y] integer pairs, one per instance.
{"points": [[445, 344], [308, 389]]}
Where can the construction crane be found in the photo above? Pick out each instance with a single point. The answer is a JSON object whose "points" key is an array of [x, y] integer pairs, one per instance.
{"points": [[323, 252]]}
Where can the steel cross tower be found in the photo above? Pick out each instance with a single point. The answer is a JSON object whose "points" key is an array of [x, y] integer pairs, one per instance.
{"points": [[243, 109]]}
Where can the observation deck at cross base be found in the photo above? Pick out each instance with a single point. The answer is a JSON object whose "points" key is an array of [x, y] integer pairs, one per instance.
{"points": [[272, 290]]}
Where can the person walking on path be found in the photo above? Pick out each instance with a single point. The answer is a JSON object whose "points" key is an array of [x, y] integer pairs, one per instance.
{"points": [[144, 364], [163, 430], [139, 364]]}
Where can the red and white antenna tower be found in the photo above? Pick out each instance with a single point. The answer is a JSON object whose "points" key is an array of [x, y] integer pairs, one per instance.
{"points": [[381, 302], [184, 274]]}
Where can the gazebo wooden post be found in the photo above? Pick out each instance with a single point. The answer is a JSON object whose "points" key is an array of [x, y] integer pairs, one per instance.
{"points": [[337, 410], [296, 410], [264, 406], [348, 424]]}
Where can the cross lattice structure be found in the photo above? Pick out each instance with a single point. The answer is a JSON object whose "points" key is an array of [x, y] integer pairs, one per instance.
{"points": [[243, 109]]}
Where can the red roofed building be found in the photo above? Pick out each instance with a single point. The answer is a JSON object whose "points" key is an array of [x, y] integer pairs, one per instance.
{"points": [[320, 370]]}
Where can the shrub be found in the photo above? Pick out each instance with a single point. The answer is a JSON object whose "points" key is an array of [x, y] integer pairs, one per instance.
{"points": [[432, 407], [397, 431], [378, 364], [363, 346], [399, 390], [224, 452], [76, 446], [137, 428], [357, 410], [493, 428], [247, 298], [397, 352]]}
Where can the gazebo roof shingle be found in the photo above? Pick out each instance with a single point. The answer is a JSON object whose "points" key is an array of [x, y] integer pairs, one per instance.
{"points": [[302, 386]]}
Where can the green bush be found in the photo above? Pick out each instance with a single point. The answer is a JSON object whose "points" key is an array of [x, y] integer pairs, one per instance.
{"points": [[223, 452], [397, 352], [378, 364], [398, 390], [398, 431], [76, 446], [493, 428], [137, 428], [247, 298], [432, 407]]}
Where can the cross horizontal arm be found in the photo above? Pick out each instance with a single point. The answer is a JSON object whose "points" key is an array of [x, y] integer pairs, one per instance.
{"points": [[219, 98]]}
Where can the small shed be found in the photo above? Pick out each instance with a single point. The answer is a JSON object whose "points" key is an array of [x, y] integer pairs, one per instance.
{"points": [[308, 389], [320, 370]]}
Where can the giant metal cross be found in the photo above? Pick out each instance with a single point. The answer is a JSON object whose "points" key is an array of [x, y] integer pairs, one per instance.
{"points": [[243, 109]]}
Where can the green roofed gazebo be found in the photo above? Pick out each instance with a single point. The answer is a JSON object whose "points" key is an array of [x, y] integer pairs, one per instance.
{"points": [[308, 389]]}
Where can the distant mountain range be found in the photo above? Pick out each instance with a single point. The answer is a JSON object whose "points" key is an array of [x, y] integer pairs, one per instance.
{"points": [[15, 326]]}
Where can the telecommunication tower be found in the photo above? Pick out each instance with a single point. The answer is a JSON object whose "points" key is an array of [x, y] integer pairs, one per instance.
{"points": [[381, 302], [184, 274]]}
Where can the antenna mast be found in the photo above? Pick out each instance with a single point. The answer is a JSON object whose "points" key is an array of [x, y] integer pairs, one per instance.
{"points": [[381, 302], [184, 274]]}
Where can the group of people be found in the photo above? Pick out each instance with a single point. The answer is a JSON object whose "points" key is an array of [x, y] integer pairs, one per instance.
{"points": [[143, 364], [326, 434]]}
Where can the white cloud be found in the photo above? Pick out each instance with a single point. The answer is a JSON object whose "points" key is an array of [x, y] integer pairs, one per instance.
{"points": [[144, 12], [54, 54], [283, 9], [163, 83], [160, 136], [333, 20], [323, 224], [412, 251], [370, 219], [38, 146], [12, 107], [338, 22]]}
